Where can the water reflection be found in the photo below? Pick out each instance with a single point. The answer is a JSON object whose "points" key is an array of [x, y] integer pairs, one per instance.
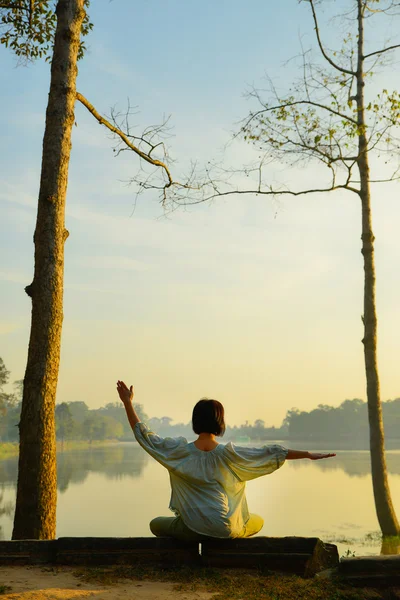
{"points": [[73, 467], [354, 463], [129, 460], [115, 462], [8, 471], [6, 509], [99, 486]]}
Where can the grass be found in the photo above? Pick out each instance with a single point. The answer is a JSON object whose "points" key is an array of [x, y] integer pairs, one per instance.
{"points": [[236, 584], [10, 449], [348, 554], [4, 589]]}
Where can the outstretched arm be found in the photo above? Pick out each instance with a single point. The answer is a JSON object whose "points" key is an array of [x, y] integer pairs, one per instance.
{"points": [[126, 396], [296, 454]]}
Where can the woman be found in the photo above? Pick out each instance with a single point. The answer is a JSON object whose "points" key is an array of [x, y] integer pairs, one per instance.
{"points": [[207, 479]]}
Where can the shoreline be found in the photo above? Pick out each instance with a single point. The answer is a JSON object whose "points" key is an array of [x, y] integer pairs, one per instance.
{"points": [[11, 449]]}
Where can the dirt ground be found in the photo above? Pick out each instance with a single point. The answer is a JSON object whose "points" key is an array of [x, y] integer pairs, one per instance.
{"points": [[41, 583]]}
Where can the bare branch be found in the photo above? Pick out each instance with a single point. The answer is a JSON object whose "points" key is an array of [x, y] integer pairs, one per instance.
{"points": [[386, 11], [382, 51], [324, 54], [145, 182], [124, 138], [388, 180], [144, 142], [271, 192]]}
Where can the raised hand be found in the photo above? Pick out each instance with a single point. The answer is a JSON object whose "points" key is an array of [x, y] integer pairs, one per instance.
{"points": [[125, 393], [319, 455]]}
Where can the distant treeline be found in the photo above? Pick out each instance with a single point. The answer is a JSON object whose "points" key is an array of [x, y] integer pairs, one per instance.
{"points": [[346, 423], [76, 421]]}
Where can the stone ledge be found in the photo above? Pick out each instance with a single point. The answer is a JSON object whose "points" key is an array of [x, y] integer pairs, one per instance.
{"points": [[99, 551], [371, 571], [301, 556], [297, 555]]}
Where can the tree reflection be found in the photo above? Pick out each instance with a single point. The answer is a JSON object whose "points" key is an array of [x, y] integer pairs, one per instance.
{"points": [[74, 466], [128, 460], [6, 508], [8, 479], [390, 545], [115, 462], [354, 464], [9, 471]]}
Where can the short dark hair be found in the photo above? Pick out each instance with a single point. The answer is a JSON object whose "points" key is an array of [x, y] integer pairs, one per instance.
{"points": [[208, 417]]}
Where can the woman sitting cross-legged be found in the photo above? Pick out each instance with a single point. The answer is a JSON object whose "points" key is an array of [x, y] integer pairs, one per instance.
{"points": [[208, 479]]}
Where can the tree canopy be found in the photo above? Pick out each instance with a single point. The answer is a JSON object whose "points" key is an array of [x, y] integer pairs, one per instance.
{"points": [[27, 27]]}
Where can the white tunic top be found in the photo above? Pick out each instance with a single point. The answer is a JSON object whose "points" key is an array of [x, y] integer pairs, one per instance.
{"points": [[208, 488]]}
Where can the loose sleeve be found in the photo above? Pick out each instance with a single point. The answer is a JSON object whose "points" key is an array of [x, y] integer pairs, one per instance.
{"points": [[167, 451], [250, 463]]}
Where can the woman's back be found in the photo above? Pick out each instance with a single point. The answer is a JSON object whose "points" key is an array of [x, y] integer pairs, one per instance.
{"points": [[208, 479], [208, 486]]}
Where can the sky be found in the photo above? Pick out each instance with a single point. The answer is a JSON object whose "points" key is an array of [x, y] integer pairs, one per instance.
{"points": [[251, 301]]}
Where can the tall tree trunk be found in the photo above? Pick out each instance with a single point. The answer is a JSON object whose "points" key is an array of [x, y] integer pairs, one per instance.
{"points": [[35, 514], [383, 503]]}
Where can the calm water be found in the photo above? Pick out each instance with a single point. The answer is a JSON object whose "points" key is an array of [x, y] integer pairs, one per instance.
{"points": [[117, 490]]}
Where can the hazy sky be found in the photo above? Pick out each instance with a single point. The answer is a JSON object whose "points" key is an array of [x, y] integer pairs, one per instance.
{"points": [[250, 301]]}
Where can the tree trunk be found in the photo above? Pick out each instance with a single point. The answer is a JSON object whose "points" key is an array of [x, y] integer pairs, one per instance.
{"points": [[35, 513], [383, 503]]}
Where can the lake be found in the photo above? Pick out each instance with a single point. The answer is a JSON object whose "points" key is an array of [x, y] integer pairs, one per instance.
{"points": [[117, 489]]}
